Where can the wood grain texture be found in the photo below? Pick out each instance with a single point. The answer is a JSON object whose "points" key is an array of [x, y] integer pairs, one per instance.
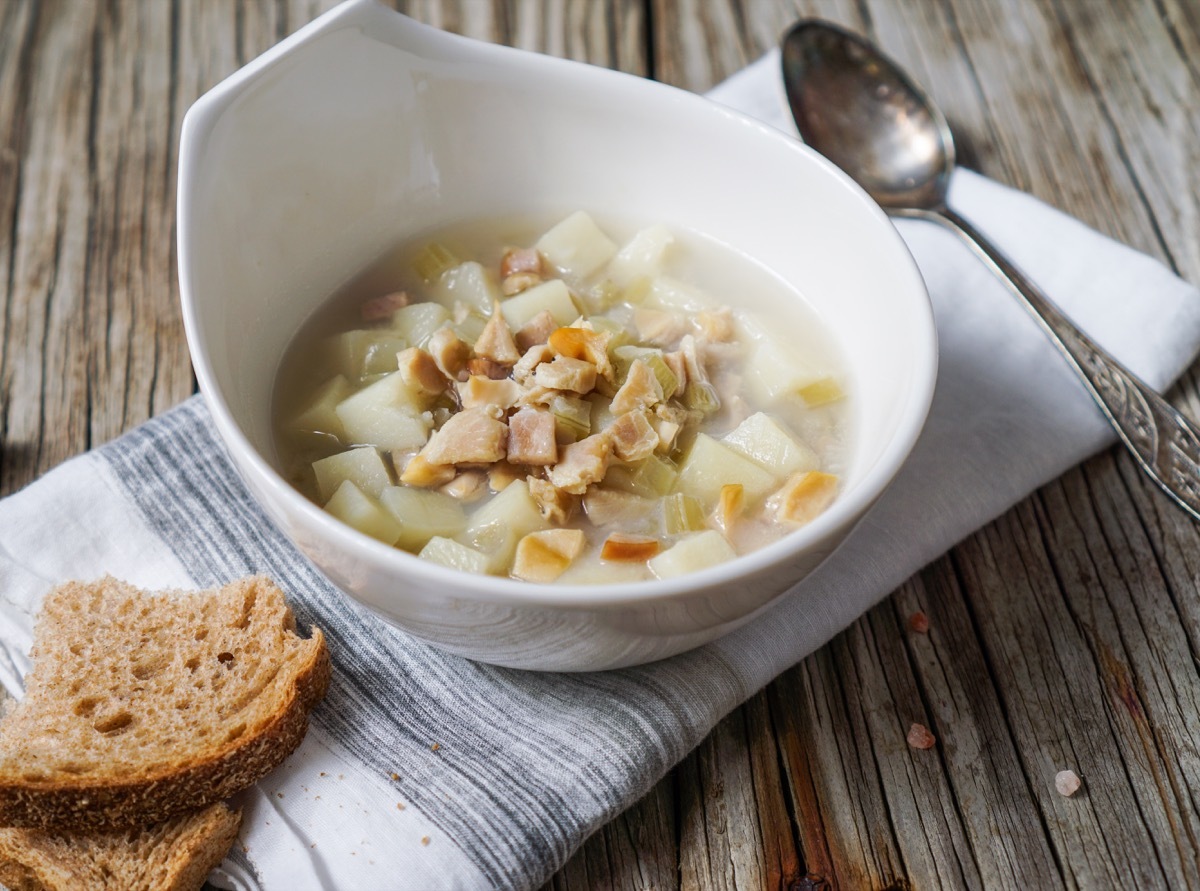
{"points": [[1064, 634]]}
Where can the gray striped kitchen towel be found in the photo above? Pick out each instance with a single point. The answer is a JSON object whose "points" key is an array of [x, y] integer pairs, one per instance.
{"points": [[424, 770]]}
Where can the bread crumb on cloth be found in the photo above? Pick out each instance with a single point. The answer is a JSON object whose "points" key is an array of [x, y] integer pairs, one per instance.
{"points": [[918, 623]]}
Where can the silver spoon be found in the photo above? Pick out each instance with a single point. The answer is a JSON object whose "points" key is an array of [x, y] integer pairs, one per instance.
{"points": [[861, 111]]}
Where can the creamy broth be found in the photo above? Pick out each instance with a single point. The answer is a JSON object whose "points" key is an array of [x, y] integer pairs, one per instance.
{"points": [[741, 428]]}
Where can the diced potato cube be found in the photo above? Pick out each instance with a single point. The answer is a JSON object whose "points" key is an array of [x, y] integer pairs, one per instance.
{"points": [[696, 552], [353, 506], [470, 283], [768, 443], [544, 556], [417, 321], [669, 293], [496, 527], [577, 246], [318, 414], [552, 297], [774, 370], [422, 514], [805, 496], [449, 552], [363, 352], [709, 465], [642, 256], [364, 467], [386, 414]]}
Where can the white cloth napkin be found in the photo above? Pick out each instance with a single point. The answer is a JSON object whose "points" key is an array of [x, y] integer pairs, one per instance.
{"points": [[501, 774]]}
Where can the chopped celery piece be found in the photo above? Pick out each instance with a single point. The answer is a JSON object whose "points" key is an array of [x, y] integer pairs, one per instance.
{"points": [[432, 260], [682, 513], [652, 478], [626, 355], [702, 396], [422, 514], [362, 352], [573, 416], [821, 392], [418, 321], [693, 553], [450, 553], [353, 506], [469, 329], [709, 465], [364, 467], [767, 443], [616, 331]]}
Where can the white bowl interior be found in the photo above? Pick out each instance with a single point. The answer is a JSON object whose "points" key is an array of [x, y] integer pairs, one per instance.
{"points": [[309, 165]]}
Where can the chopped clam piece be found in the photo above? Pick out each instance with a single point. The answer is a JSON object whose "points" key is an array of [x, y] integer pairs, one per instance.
{"points": [[379, 308], [805, 496], [544, 556], [518, 282], [520, 260], [629, 548], [420, 372], [715, 325], [481, 391], [586, 344], [531, 437], [473, 436], [467, 487], [556, 505], [524, 370], [582, 463], [564, 373], [486, 368], [658, 326], [633, 437], [641, 389], [501, 475], [496, 342], [419, 472], [449, 352], [536, 330]]}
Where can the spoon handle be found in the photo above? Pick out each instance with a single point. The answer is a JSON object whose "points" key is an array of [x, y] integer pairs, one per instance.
{"points": [[1164, 441]]}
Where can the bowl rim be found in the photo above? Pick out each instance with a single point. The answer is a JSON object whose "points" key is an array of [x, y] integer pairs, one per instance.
{"points": [[847, 510]]}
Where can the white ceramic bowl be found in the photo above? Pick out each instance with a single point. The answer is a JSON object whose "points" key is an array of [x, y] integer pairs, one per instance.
{"points": [[365, 128]]}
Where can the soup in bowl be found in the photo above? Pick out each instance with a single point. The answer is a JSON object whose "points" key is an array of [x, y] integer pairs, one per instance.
{"points": [[347, 205]]}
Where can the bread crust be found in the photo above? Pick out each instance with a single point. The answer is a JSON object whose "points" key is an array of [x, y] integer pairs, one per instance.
{"points": [[82, 803]]}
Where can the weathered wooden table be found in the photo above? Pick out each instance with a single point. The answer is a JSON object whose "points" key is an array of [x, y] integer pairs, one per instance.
{"points": [[1063, 635]]}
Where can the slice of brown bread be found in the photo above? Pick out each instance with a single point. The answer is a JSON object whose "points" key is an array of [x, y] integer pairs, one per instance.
{"points": [[175, 855], [142, 706]]}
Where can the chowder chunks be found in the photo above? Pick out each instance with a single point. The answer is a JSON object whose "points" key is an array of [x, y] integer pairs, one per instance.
{"points": [[565, 408]]}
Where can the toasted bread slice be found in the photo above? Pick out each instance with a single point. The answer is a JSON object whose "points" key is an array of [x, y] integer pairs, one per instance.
{"points": [[142, 706], [175, 855]]}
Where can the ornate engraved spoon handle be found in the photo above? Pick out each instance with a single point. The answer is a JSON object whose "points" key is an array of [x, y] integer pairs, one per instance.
{"points": [[1164, 441]]}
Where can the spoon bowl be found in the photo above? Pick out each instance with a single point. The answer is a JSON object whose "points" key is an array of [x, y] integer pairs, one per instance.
{"points": [[867, 116], [859, 109]]}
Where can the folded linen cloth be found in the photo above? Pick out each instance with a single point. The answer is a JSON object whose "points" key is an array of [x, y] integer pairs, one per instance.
{"points": [[499, 774]]}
